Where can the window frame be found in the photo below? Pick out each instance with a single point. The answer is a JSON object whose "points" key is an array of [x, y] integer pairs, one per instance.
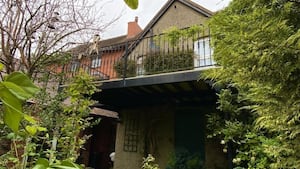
{"points": [[203, 53], [96, 62]]}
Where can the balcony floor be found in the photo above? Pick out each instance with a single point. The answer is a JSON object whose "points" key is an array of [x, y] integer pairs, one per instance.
{"points": [[171, 77], [176, 87]]}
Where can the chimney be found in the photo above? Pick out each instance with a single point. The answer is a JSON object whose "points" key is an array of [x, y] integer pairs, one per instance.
{"points": [[133, 28]]}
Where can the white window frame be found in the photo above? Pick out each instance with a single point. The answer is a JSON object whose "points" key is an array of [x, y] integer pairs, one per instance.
{"points": [[203, 53], [74, 66], [96, 62], [140, 66]]}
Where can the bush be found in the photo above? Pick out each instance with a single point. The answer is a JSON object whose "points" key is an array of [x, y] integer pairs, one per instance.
{"points": [[163, 62], [149, 163], [183, 159], [119, 66]]}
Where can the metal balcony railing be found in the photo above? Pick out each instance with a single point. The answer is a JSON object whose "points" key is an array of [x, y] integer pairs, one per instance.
{"points": [[147, 56]]}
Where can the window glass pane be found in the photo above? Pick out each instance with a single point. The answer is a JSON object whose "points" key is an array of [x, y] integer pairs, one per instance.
{"points": [[203, 53], [140, 69], [74, 66], [96, 62]]}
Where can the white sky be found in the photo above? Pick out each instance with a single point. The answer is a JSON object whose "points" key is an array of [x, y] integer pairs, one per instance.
{"points": [[146, 11]]}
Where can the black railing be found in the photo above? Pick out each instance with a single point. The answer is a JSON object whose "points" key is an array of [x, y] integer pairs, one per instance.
{"points": [[147, 56], [71, 70]]}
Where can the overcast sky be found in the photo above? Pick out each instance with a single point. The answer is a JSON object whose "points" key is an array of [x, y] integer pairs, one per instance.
{"points": [[146, 11]]}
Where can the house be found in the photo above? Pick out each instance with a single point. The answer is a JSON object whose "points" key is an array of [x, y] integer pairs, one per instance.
{"points": [[161, 104], [97, 57]]}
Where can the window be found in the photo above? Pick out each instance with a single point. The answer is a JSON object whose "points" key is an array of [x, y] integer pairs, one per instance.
{"points": [[74, 66], [152, 44], [203, 53], [131, 133], [140, 67], [96, 62]]}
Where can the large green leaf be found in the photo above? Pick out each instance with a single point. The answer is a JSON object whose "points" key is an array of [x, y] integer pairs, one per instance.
{"points": [[39, 166], [64, 167], [16, 90], [22, 81], [133, 4], [31, 130], [67, 165], [30, 119], [12, 108], [41, 163]]}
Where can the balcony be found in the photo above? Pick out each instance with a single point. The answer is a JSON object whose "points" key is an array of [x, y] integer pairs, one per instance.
{"points": [[153, 59]]}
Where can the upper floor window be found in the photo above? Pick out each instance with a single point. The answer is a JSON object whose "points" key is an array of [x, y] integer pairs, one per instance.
{"points": [[75, 66], [203, 53], [96, 62], [139, 66]]}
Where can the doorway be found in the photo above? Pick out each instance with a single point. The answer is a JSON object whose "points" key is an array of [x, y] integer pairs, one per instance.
{"points": [[189, 134], [102, 143]]}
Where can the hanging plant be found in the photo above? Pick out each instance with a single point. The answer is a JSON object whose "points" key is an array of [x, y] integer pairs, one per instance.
{"points": [[194, 31], [173, 35]]}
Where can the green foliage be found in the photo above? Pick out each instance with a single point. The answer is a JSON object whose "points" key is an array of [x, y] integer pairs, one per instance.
{"points": [[50, 135], [149, 163], [67, 115], [174, 35], [75, 117], [133, 4], [14, 90], [234, 126], [43, 163], [164, 62], [119, 67], [194, 31], [177, 59], [183, 159], [256, 44]]}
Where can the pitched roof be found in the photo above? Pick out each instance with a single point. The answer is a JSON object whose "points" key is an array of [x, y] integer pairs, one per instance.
{"points": [[121, 40], [105, 44], [189, 3], [163, 10], [84, 48]]}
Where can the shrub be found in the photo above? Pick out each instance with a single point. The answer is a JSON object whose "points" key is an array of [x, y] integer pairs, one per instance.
{"points": [[149, 163], [119, 66], [164, 62], [183, 159]]}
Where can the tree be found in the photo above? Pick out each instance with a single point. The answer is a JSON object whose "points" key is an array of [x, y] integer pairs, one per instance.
{"points": [[34, 33], [257, 47]]}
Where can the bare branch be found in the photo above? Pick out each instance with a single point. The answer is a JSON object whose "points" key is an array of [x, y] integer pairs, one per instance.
{"points": [[32, 30]]}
